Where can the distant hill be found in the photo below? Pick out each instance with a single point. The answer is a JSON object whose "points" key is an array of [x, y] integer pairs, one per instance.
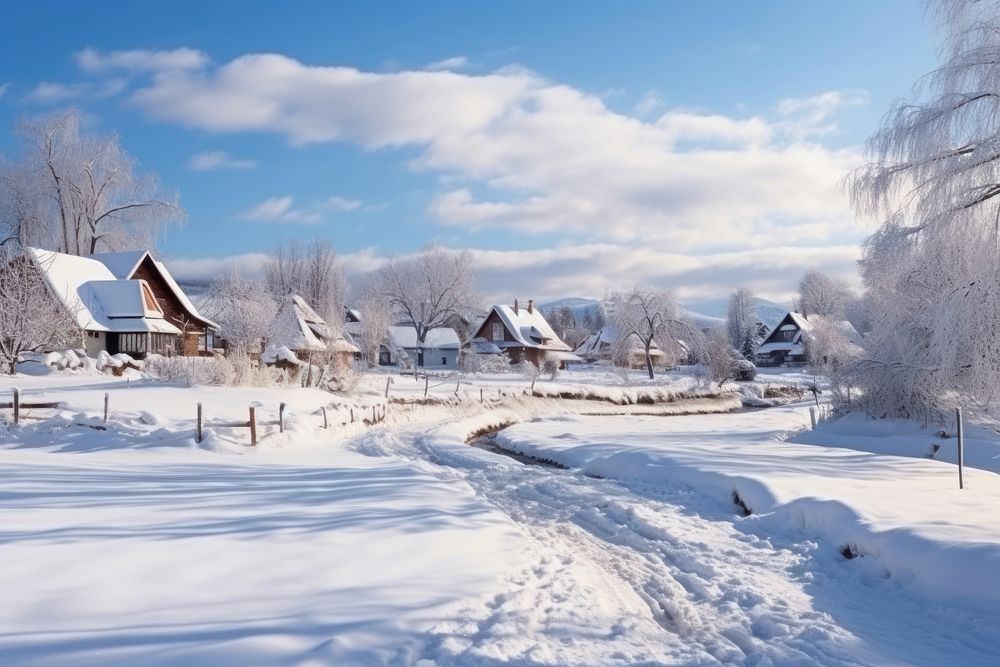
{"points": [[769, 312], [581, 307]]}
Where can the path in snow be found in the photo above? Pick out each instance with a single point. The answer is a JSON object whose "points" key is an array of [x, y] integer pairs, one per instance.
{"points": [[615, 576]]}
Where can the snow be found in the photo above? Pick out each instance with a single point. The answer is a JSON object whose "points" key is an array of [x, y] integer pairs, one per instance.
{"points": [[400, 544], [529, 329], [441, 338]]}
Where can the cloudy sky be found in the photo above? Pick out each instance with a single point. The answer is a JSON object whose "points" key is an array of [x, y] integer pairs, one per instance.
{"points": [[573, 146]]}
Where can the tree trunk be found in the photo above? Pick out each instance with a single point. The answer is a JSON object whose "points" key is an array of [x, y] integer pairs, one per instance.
{"points": [[649, 361]]}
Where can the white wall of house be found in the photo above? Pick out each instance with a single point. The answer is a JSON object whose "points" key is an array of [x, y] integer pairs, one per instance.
{"points": [[94, 344]]}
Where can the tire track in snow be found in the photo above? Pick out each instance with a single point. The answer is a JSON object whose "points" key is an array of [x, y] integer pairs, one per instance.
{"points": [[614, 577]]}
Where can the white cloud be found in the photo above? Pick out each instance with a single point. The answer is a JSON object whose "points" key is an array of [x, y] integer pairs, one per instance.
{"points": [[283, 209], [4, 87], [206, 268], [140, 60], [814, 115], [210, 160], [650, 102], [48, 92], [452, 64]]}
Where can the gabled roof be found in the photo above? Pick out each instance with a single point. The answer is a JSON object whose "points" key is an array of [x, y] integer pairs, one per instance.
{"points": [[600, 343], [298, 327], [529, 329], [442, 338], [95, 298], [124, 265]]}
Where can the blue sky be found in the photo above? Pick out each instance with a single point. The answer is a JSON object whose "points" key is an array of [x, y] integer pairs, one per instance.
{"points": [[575, 146]]}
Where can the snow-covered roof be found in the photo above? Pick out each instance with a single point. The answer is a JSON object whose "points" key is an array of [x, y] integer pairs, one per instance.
{"points": [[124, 265], [529, 328], [789, 347], [298, 327], [95, 298], [601, 342], [405, 336], [483, 346]]}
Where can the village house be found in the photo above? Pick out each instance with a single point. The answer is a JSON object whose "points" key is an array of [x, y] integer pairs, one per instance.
{"points": [[298, 334], [523, 334], [120, 310], [602, 347], [197, 332], [786, 343], [440, 348]]}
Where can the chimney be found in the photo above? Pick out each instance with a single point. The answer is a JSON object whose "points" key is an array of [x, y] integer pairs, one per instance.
{"points": [[531, 306], [515, 306]]}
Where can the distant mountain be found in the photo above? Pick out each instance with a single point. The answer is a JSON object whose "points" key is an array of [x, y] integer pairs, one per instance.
{"points": [[769, 312], [580, 306]]}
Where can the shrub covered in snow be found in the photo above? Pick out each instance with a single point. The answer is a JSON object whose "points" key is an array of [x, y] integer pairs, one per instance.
{"points": [[488, 363]]}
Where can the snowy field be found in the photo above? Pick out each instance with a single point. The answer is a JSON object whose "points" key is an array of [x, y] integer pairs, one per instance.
{"points": [[397, 543]]}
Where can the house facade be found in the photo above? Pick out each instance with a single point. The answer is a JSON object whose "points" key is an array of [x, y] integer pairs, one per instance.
{"points": [[786, 344], [439, 350], [601, 347], [112, 314], [196, 331], [524, 334]]}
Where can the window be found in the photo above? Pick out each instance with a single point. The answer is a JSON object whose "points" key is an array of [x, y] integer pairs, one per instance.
{"points": [[497, 331], [132, 342], [444, 361]]}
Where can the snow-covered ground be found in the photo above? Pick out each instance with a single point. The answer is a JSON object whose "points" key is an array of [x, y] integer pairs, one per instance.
{"points": [[400, 544]]}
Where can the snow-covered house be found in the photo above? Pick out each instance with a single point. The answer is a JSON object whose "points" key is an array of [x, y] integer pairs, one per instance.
{"points": [[601, 347], [113, 314], [786, 343], [440, 349], [524, 334], [298, 333], [196, 330]]}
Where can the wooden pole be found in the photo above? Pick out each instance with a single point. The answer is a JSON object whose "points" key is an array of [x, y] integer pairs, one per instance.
{"points": [[373, 414], [253, 425], [281, 417], [457, 385], [106, 400], [427, 384], [199, 424], [17, 405], [387, 381], [480, 394], [961, 447], [326, 422], [812, 416], [352, 415]]}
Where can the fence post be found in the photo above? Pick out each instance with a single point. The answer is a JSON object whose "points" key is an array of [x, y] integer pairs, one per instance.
{"points": [[458, 384], [961, 446], [812, 416], [17, 405], [352, 415], [106, 400], [373, 415], [326, 422], [480, 394], [388, 381], [281, 417], [199, 423], [427, 384], [253, 425]]}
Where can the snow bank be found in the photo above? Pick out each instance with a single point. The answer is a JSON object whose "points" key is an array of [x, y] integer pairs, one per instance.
{"points": [[906, 514]]}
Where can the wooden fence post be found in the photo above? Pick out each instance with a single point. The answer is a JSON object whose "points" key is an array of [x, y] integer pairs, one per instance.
{"points": [[388, 381], [352, 415], [17, 405], [458, 384], [480, 394], [253, 425], [961, 446], [199, 424], [281, 417], [812, 416], [373, 414], [326, 422], [106, 400], [427, 384]]}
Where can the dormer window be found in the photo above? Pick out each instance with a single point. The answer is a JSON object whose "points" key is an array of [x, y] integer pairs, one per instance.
{"points": [[497, 331]]}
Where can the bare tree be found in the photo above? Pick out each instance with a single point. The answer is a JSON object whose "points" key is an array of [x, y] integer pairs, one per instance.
{"points": [[742, 323], [428, 289], [79, 193], [820, 294], [243, 309], [31, 318], [376, 318], [312, 271], [647, 315]]}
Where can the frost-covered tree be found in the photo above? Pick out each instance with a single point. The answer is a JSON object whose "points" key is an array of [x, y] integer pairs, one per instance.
{"points": [[79, 192], [31, 319], [933, 290], [742, 323], [376, 318], [311, 270], [820, 294], [243, 309], [426, 290], [649, 317]]}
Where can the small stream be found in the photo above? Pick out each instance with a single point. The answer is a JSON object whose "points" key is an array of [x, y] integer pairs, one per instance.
{"points": [[488, 442]]}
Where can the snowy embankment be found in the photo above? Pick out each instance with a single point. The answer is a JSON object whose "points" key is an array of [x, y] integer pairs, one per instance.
{"points": [[905, 516]]}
